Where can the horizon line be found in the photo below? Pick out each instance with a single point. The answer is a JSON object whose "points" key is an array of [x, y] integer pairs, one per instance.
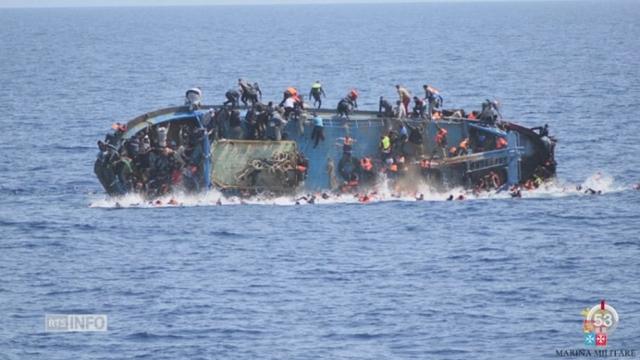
{"points": [[274, 3]]}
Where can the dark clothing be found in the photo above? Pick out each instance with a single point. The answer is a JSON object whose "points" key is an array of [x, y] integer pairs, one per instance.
{"points": [[232, 98], [418, 108], [317, 93], [317, 135], [345, 106], [385, 108], [249, 93]]}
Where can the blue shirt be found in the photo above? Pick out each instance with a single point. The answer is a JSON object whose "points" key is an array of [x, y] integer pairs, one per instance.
{"points": [[317, 121]]}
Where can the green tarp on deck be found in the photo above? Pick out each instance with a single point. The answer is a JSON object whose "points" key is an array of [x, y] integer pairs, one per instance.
{"points": [[232, 158]]}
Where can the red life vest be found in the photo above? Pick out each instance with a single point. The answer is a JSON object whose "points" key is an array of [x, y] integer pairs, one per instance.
{"points": [[501, 143], [442, 133], [366, 164], [292, 91]]}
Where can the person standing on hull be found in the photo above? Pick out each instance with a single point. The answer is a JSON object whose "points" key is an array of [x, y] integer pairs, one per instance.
{"points": [[418, 107], [316, 93], [405, 97], [290, 92], [232, 98], [289, 105], [277, 122], [347, 104], [385, 109], [433, 98], [248, 93], [256, 88]]}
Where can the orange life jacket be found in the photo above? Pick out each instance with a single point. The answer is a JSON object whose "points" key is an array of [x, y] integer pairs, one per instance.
{"points": [[366, 164], [464, 144], [501, 143], [442, 133]]}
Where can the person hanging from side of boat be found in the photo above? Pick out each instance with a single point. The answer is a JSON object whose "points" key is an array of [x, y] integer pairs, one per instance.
{"points": [[441, 141], [385, 147], [463, 147], [317, 134], [316, 93]]}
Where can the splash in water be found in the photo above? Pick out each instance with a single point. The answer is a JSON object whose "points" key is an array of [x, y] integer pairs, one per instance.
{"points": [[596, 184]]}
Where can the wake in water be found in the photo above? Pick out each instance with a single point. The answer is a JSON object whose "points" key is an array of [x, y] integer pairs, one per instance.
{"points": [[596, 184]]}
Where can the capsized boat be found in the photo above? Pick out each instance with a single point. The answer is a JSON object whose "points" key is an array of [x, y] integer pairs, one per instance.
{"points": [[196, 147]]}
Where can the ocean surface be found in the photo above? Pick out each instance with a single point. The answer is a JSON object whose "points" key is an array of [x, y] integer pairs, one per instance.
{"points": [[488, 278]]}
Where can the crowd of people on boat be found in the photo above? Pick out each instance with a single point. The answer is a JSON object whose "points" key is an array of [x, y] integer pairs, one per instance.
{"points": [[267, 120], [429, 106], [149, 163]]}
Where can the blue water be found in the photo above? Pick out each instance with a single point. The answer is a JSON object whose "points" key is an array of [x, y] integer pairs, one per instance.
{"points": [[482, 279]]}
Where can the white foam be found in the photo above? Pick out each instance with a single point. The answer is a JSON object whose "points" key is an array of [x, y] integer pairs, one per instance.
{"points": [[383, 192]]}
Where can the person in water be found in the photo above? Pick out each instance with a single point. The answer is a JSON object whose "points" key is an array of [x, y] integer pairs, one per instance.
{"points": [[316, 93]]}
